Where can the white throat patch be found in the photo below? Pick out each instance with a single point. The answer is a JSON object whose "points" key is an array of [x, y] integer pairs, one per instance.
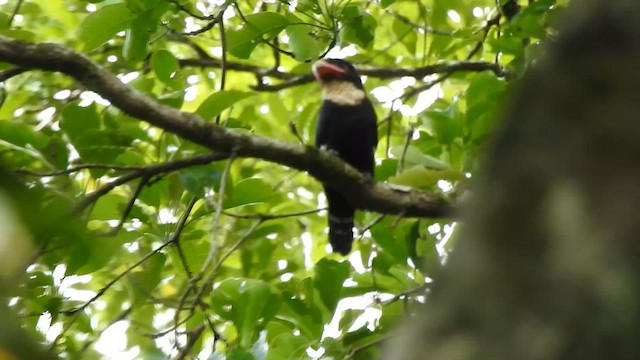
{"points": [[342, 93]]}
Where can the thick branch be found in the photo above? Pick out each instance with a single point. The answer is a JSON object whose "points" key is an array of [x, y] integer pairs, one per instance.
{"points": [[321, 165]]}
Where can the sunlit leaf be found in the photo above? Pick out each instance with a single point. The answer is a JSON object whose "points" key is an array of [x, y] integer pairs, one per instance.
{"points": [[241, 42], [248, 191], [164, 65], [219, 101], [413, 156], [21, 134], [103, 24], [303, 44], [249, 303], [359, 26], [421, 177]]}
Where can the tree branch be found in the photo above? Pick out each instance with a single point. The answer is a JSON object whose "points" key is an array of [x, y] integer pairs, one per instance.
{"points": [[11, 72], [319, 164], [381, 73], [147, 172]]}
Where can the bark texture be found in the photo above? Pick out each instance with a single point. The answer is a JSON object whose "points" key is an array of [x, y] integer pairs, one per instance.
{"points": [[548, 265]]}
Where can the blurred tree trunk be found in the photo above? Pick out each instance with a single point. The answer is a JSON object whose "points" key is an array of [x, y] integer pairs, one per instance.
{"points": [[548, 266]]}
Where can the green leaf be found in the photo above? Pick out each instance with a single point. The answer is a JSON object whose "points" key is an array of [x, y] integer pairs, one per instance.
{"points": [[414, 156], [387, 3], [242, 42], [143, 282], [83, 322], [348, 317], [485, 97], [388, 239], [240, 355], [386, 169], [197, 180], [277, 106], [77, 119], [137, 36], [219, 101], [420, 177], [164, 65], [92, 256], [358, 26], [19, 34], [429, 260], [101, 146], [329, 279], [483, 88], [445, 125], [4, 21], [144, 84], [405, 34], [193, 250], [108, 207], [21, 134], [176, 99], [250, 304], [103, 24], [287, 346], [303, 45], [248, 191], [507, 45]]}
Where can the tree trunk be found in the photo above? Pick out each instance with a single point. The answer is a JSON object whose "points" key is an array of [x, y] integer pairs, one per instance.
{"points": [[548, 266]]}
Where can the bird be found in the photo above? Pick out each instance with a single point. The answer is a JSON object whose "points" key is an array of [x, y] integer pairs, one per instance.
{"points": [[346, 127]]}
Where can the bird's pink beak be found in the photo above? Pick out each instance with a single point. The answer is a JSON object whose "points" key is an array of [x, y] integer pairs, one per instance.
{"points": [[322, 69]]}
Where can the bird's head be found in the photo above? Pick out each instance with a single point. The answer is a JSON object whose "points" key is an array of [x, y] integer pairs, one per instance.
{"points": [[339, 81], [329, 70]]}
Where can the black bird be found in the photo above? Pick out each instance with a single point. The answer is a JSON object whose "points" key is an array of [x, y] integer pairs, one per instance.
{"points": [[347, 128]]}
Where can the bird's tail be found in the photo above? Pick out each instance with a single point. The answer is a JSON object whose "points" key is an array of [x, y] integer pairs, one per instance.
{"points": [[340, 222]]}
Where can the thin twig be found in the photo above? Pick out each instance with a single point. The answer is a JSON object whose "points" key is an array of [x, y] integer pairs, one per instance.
{"points": [[147, 171], [223, 60], [405, 294], [172, 239], [260, 38], [213, 247], [375, 342], [190, 13], [415, 26], [78, 168], [123, 315], [192, 337], [11, 72], [294, 130], [206, 284], [15, 11], [493, 21], [77, 311], [178, 247], [125, 214], [405, 148], [370, 225], [390, 73], [264, 217], [404, 97]]}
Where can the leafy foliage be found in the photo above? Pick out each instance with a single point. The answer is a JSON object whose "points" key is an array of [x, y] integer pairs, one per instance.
{"points": [[228, 258]]}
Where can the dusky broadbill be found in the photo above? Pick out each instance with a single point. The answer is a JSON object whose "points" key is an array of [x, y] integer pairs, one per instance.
{"points": [[346, 127]]}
